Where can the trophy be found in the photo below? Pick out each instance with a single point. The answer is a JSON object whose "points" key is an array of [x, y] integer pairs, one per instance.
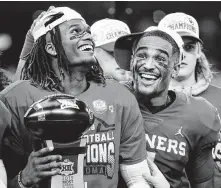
{"points": [[58, 122]]}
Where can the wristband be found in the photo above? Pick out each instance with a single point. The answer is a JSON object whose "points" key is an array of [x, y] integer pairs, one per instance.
{"points": [[20, 183]]}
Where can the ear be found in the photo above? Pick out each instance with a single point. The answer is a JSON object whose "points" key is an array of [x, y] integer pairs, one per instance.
{"points": [[175, 70], [50, 48]]}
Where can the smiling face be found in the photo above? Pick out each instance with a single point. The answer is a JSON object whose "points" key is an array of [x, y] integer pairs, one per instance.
{"points": [[190, 55], [77, 42], [152, 65]]}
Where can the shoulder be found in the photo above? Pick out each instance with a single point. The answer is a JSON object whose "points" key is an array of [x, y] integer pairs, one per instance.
{"points": [[18, 94], [214, 88], [204, 111], [211, 92], [120, 91], [17, 87]]}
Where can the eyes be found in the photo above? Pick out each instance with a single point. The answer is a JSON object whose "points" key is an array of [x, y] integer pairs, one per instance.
{"points": [[77, 30], [189, 47], [158, 58]]}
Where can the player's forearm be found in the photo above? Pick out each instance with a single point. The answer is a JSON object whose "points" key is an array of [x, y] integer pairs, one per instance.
{"points": [[13, 183], [133, 174], [3, 175]]}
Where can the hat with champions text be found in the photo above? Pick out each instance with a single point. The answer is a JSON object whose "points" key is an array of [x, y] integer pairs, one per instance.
{"points": [[182, 23], [106, 31]]}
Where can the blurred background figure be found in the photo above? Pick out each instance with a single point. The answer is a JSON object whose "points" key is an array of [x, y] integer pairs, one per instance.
{"points": [[5, 79], [5, 75], [105, 32], [5, 42]]}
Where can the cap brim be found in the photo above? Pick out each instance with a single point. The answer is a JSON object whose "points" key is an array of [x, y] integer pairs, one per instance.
{"points": [[123, 49], [183, 34], [109, 46]]}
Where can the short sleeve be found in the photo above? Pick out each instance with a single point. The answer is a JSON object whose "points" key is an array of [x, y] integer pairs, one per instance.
{"points": [[201, 166], [133, 145]]}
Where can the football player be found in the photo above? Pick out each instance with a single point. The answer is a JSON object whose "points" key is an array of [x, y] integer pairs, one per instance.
{"points": [[61, 61], [180, 133], [195, 75]]}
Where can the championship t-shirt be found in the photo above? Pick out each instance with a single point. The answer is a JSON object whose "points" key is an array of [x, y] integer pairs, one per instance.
{"points": [[117, 135], [180, 139]]}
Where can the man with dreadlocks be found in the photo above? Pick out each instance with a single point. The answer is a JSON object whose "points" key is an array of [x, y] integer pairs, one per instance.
{"points": [[61, 61]]}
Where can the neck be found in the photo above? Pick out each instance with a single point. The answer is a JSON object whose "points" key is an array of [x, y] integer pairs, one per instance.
{"points": [[154, 101], [183, 82], [75, 82]]}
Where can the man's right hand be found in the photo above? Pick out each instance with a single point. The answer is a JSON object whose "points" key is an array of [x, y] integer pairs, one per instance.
{"points": [[40, 165]]}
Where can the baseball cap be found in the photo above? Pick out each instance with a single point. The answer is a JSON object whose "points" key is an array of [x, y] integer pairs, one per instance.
{"points": [[66, 14], [182, 23], [123, 45], [106, 31]]}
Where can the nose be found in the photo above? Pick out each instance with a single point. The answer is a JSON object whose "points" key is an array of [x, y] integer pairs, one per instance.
{"points": [[149, 64], [87, 36]]}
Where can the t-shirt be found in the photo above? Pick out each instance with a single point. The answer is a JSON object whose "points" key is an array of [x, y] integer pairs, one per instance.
{"points": [[212, 94], [5, 118], [117, 135], [180, 139]]}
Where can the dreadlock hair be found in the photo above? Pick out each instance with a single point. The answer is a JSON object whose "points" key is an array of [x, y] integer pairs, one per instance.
{"points": [[38, 68]]}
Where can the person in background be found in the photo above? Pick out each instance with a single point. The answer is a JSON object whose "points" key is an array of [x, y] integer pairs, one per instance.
{"points": [[195, 75], [180, 134], [4, 82], [105, 32]]}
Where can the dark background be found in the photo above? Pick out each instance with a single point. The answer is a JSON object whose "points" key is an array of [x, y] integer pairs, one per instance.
{"points": [[16, 18]]}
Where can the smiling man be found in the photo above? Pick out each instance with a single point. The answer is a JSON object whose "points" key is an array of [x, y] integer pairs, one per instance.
{"points": [[61, 61], [180, 134]]}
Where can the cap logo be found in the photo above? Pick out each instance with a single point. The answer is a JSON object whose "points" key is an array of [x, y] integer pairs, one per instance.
{"points": [[119, 33], [191, 21], [183, 26]]}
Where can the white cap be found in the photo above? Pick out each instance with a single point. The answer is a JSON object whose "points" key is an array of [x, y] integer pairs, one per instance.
{"points": [[123, 45], [183, 24], [66, 14], [106, 31], [176, 37]]}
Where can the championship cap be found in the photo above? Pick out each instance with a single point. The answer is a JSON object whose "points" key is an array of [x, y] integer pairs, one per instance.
{"points": [[182, 23], [49, 21], [106, 31], [123, 46]]}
